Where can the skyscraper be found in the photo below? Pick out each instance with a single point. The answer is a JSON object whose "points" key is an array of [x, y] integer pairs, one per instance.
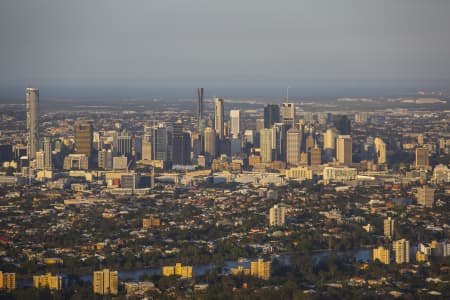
{"points": [[83, 137], [293, 142], [422, 160], [344, 150], [288, 114], [210, 142], [271, 115], [199, 109], [380, 149], [343, 125], [48, 162], [105, 282], [425, 196], [401, 249], [330, 139], [277, 215], [389, 227], [32, 106], [125, 144], [235, 120], [266, 141], [219, 118], [315, 156], [181, 142]]}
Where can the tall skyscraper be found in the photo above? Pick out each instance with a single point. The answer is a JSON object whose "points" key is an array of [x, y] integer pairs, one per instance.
{"points": [[105, 282], [401, 249], [330, 139], [210, 142], [293, 143], [48, 162], [343, 125], [389, 227], [162, 143], [32, 106], [84, 137], [199, 109], [181, 142], [235, 120], [277, 215], [288, 114], [271, 115], [344, 150], [380, 149], [266, 141], [219, 118], [125, 144], [422, 160], [315, 156]]}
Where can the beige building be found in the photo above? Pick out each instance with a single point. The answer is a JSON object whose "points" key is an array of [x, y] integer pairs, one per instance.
{"points": [[344, 150], [84, 137], [401, 250], [210, 142], [277, 215], [219, 118], [330, 139], [422, 160], [76, 162], [151, 222], [299, 173], [7, 281], [293, 142], [47, 281], [315, 156], [389, 227], [380, 149], [382, 254], [105, 282], [260, 269], [425, 196]]}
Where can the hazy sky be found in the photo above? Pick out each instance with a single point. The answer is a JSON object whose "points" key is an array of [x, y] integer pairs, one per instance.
{"points": [[232, 46]]}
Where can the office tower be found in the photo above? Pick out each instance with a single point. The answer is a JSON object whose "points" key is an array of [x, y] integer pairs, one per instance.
{"points": [[260, 269], [199, 109], [420, 139], [32, 106], [401, 249], [7, 281], [181, 142], [219, 118], [293, 143], [105, 159], [210, 142], [48, 161], [266, 142], [259, 124], [315, 156], [161, 137], [380, 149], [235, 119], [288, 114], [309, 142], [47, 281], [343, 125], [389, 228], [344, 150], [425, 196], [196, 144], [271, 115], [422, 160], [105, 282], [382, 254], [84, 137], [276, 215], [330, 139], [125, 144], [39, 160]]}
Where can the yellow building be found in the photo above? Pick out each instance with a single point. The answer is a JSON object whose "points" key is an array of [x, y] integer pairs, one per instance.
{"points": [[151, 222], [240, 270], [260, 269], [105, 282], [48, 281], [421, 257], [7, 281], [382, 254], [401, 249], [178, 269]]}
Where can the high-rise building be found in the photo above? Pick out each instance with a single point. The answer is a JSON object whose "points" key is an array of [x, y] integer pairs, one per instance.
{"points": [[343, 125], [219, 118], [266, 145], [181, 142], [76, 162], [315, 156], [425, 196], [105, 282], [199, 109], [401, 249], [389, 227], [277, 215], [293, 143], [105, 159], [210, 142], [48, 161], [125, 144], [161, 140], [380, 149], [271, 115], [235, 120], [32, 106], [420, 139], [288, 114], [344, 150], [422, 160], [7, 281], [382, 254], [330, 139], [260, 269], [52, 282], [39, 160], [84, 137]]}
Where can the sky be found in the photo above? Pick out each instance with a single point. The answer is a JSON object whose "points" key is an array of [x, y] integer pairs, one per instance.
{"points": [[235, 47]]}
